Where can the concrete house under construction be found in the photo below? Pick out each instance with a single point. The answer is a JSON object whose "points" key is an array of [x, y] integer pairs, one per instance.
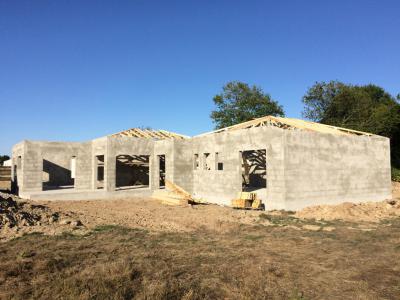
{"points": [[289, 163]]}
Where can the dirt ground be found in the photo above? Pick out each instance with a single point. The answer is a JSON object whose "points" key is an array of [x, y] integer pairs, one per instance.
{"points": [[140, 249], [147, 213]]}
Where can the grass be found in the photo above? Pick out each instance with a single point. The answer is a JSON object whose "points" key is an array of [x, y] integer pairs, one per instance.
{"points": [[249, 262], [287, 219]]}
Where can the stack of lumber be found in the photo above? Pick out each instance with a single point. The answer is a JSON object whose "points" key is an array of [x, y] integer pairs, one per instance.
{"points": [[5, 178], [247, 200], [173, 195]]}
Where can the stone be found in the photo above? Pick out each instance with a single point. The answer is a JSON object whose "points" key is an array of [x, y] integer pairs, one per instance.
{"points": [[65, 222], [311, 227], [76, 223]]}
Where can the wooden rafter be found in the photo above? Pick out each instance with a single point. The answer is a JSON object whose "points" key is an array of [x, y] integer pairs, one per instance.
{"points": [[283, 123], [149, 134], [290, 124]]}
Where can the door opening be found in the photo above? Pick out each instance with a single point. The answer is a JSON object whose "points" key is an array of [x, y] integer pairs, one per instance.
{"points": [[99, 172], [161, 165], [254, 170]]}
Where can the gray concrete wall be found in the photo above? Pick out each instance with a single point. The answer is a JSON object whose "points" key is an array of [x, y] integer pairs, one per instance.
{"points": [[303, 167], [164, 147], [17, 181], [183, 164], [223, 186], [130, 146], [329, 169], [99, 147], [54, 158]]}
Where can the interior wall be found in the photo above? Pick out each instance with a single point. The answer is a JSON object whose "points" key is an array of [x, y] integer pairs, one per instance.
{"points": [[99, 148], [56, 175], [127, 146], [131, 174]]}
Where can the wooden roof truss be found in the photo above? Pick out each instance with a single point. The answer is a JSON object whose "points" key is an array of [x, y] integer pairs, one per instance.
{"points": [[149, 134], [291, 124]]}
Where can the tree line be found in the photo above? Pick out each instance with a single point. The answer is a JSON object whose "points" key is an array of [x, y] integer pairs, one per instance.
{"points": [[366, 108]]}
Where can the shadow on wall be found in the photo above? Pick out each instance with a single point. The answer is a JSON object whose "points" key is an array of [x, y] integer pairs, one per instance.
{"points": [[56, 176]]}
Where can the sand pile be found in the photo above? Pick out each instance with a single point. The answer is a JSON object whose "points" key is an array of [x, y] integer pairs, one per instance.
{"points": [[361, 212]]}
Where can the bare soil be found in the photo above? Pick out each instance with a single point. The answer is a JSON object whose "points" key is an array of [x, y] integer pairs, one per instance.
{"points": [[138, 248], [360, 212]]}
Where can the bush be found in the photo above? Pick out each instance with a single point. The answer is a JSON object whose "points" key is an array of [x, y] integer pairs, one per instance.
{"points": [[395, 174]]}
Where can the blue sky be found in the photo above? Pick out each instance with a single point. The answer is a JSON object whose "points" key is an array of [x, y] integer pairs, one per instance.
{"points": [[76, 70]]}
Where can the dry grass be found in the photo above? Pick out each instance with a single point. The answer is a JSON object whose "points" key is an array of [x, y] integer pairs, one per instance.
{"points": [[248, 262]]}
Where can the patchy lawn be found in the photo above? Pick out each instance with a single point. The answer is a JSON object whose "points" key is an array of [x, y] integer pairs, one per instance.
{"points": [[281, 261]]}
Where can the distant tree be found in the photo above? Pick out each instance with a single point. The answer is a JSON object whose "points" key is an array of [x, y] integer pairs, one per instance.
{"points": [[319, 97], [239, 102], [366, 108], [3, 158]]}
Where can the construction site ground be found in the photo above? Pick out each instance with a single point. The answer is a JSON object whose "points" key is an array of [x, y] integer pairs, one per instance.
{"points": [[138, 248]]}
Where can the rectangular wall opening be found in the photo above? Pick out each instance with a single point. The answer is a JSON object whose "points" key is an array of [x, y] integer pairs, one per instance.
{"points": [[196, 163], [99, 168], [206, 161], [16, 169], [19, 162], [56, 176], [161, 166], [254, 170], [219, 165], [132, 172]]}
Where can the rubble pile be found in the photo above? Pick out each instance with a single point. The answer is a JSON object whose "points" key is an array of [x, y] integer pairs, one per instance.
{"points": [[17, 214], [18, 217]]}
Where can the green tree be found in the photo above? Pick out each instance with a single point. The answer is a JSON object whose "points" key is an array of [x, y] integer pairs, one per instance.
{"points": [[239, 102], [3, 158], [366, 108], [318, 98]]}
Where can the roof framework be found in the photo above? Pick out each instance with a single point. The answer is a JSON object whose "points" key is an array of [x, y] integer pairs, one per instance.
{"points": [[291, 124], [149, 134], [283, 123]]}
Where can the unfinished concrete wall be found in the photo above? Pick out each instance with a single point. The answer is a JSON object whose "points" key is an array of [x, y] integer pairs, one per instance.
{"points": [[48, 165], [129, 146], [183, 164], [302, 167], [328, 169], [221, 186], [99, 148], [83, 175], [164, 147], [17, 157]]}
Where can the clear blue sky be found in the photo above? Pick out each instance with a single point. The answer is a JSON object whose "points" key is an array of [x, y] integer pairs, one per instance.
{"points": [[76, 70]]}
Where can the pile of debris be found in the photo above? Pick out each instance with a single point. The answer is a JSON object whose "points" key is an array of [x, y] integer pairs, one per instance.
{"points": [[18, 217], [17, 214]]}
